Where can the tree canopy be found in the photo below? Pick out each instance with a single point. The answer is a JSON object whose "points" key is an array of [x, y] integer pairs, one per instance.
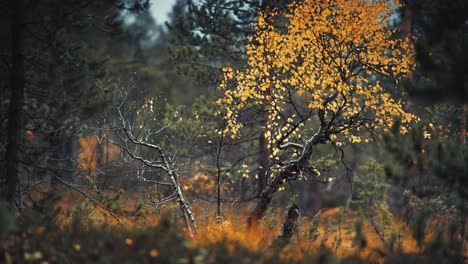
{"points": [[325, 62]]}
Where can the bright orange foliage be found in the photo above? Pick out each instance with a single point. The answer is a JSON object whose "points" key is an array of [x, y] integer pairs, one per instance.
{"points": [[88, 153], [328, 49], [232, 230]]}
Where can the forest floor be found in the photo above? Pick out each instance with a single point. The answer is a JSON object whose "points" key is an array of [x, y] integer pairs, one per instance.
{"points": [[73, 229]]}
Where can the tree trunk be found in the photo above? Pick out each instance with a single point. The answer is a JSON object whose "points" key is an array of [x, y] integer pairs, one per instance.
{"points": [[15, 110], [288, 227], [290, 171], [463, 125], [267, 194], [187, 214], [263, 155], [406, 29]]}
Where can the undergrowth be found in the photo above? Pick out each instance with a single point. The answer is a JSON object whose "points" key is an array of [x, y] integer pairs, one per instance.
{"points": [[39, 235]]}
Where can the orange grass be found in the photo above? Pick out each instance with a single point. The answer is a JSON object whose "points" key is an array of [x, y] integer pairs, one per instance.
{"points": [[231, 230]]}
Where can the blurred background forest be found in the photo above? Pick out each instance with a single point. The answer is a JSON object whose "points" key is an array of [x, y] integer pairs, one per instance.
{"points": [[112, 143]]}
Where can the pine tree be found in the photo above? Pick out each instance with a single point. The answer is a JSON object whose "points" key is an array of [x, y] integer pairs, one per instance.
{"points": [[56, 79]]}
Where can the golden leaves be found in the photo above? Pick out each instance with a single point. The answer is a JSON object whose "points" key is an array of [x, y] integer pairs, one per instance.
{"points": [[153, 253], [77, 247], [128, 241], [326, 46]]}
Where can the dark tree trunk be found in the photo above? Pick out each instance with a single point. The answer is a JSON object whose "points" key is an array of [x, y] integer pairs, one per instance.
{"points": [[267, 194], [15, 114], [406, 29], [288, 227], [290, 172], [263, 155], [463, 124]]}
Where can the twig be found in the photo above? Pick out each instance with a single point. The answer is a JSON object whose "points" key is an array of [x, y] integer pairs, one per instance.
{"points": [[92, 200]]}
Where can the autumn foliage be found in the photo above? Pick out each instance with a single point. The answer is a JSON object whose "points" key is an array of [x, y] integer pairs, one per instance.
{"points": [[329, 56]]}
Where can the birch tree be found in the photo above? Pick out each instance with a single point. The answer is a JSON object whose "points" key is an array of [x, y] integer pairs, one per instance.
{"points": [[319, 78]]}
